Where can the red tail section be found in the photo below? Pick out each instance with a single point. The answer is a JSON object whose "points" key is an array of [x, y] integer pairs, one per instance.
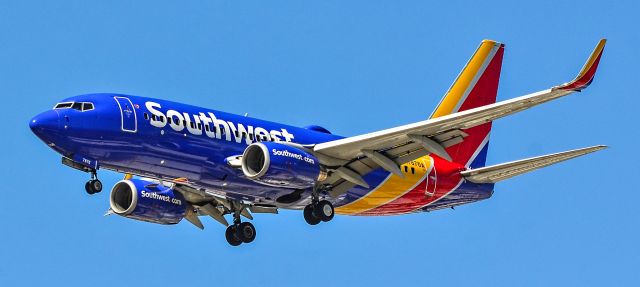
{"points": [[476, 86]]}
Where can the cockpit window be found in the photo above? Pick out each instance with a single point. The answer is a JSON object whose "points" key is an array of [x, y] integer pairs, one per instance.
{"points": [[77, 106], [80, 106], [63, 105], [87, 106]]}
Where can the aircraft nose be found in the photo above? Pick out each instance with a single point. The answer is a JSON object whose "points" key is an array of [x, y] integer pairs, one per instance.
{"points": [[44, 123]]}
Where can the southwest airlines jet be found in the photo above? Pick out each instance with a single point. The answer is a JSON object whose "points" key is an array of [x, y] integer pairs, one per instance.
{"points": [[181, 161]]}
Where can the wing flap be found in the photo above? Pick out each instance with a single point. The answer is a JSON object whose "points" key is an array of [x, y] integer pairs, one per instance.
{"points": [[499, 172]]}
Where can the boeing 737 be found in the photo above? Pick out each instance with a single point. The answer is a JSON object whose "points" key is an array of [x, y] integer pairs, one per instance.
{"points": [[181, 161]]}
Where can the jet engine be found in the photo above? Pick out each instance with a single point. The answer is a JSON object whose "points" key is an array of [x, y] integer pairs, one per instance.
{"points": [[147, 201], [280, 165]]}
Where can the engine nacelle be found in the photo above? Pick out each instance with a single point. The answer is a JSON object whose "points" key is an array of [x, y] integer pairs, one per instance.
{"points": [[147, 201], [280, 165]]}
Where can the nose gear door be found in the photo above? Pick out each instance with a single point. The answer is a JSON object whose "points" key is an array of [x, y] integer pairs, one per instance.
{"points": [[128, 115]]}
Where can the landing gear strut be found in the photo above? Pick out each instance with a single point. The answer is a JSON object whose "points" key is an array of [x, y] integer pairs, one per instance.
{"points": [[94, 185], [318, 210], [240, 232]]}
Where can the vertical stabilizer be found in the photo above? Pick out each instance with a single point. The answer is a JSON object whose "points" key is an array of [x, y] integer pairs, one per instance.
{"points": [[475, 86]]}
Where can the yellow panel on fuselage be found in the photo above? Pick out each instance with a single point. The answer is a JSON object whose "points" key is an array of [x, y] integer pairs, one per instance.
{"points": [[391, 188]]}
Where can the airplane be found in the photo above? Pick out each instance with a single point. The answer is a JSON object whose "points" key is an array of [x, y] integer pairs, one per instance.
{"points": [[183, 162]]}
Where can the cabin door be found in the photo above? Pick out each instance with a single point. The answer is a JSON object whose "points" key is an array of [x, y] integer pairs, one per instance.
{"points": [[129, 121], [432, 177]]}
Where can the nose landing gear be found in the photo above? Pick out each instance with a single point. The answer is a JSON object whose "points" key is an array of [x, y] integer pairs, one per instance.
{"points": [[94, 185]]}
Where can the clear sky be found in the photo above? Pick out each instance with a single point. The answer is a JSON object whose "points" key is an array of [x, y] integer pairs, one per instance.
{"points": [[352, 67]]}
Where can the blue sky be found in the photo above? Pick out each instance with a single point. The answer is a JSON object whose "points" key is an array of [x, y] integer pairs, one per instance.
{"points": [[352, 67]]}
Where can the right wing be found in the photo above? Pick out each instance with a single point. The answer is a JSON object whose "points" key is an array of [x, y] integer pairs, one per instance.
{"points": [[358, 155]]}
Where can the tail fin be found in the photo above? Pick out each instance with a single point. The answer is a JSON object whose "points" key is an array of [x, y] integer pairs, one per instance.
{"points": [[475, 86]]}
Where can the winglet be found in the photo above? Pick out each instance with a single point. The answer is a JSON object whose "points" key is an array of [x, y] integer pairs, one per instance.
{"points": [[585, 77]]}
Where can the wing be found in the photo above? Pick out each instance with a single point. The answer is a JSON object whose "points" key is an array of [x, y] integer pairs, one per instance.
{"points": [[214, 204], [206, 202], [392, 147]]}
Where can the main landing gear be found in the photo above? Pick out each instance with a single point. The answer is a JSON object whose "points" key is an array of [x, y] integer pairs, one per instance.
{"points": [[94, 185], [318, 210], [240, 232], [321, 211]]}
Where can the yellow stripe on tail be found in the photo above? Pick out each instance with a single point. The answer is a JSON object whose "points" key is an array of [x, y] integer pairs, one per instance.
{"points": [[461, 86]]}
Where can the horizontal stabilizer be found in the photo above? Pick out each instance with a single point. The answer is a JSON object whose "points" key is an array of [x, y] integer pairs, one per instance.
{"points": [[499, 172]]}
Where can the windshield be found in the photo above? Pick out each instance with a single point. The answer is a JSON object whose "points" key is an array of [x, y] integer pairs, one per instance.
{"points": [[80, 106]]}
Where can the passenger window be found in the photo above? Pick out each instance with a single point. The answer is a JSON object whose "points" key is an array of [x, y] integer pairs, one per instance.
{"points": [[413, 170], [146, 116], [169, 120], [406, 169], [206, 128], [154, 117]]}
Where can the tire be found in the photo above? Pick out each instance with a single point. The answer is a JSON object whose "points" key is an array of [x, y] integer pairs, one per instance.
{"points": [[309, 217], [230, 234], [96, 185], [88, 188], [324, 210], [246, 232]]}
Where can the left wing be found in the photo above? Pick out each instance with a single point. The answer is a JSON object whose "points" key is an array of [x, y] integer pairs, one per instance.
{"points": [[392, 147], [216, 205], [205, 202]]}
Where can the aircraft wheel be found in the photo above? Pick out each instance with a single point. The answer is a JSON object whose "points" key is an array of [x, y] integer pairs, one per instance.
{"points": [[309, 217], [324, 210], [246, 232], [96, 185], [88, 188], [230, 234], [93, 186]]}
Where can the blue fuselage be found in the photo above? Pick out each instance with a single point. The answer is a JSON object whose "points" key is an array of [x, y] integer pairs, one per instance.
{"points": [[168, 140]]}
